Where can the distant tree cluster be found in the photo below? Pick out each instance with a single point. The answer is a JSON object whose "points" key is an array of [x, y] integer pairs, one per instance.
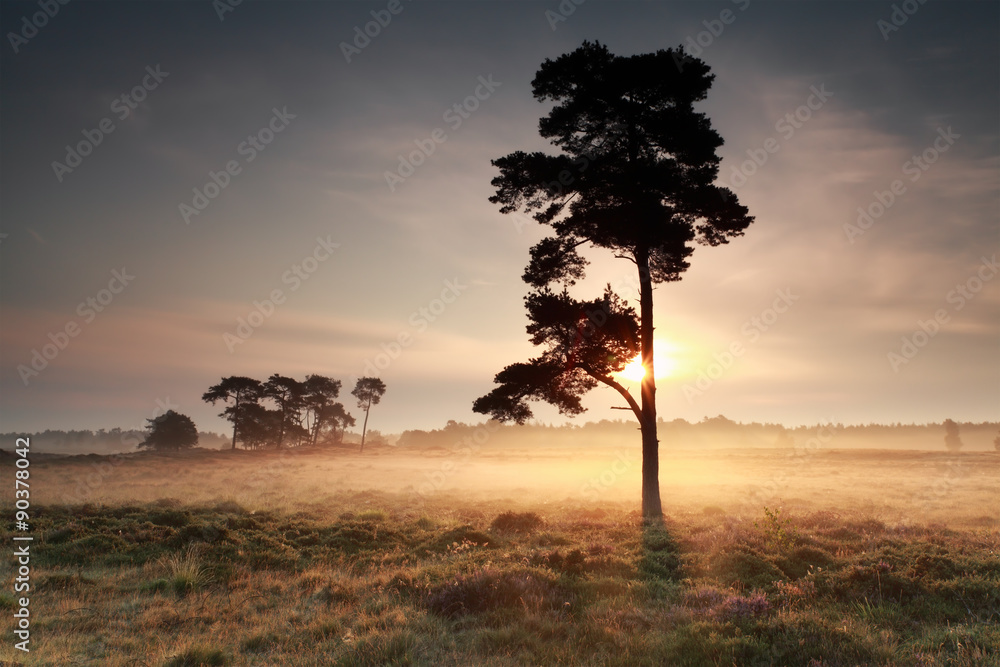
{"points": [[284, 411]]}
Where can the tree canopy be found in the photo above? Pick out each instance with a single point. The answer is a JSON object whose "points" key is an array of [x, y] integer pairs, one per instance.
{"points": [[171, 431], [586, 342], [368, 391], [282, 410], [242, 391]]}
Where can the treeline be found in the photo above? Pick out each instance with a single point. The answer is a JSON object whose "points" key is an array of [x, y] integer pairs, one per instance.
{"points": [[713, 432], [279, 412], [102, 441], [283, 411]]}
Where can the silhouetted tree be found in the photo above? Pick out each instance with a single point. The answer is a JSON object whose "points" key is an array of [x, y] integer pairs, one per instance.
{"points": [[336, 417], [260, 426], [319, 394], [951, 439], [369, 392], [241, 391], [170, 431], [288, 394], [635, 176], [996, 442]]}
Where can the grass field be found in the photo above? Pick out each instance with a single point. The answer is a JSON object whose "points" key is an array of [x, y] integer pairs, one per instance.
{"points": [[316, 557]]}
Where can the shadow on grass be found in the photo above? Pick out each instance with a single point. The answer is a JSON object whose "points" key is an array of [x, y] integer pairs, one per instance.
{"points": [[660, 561]]}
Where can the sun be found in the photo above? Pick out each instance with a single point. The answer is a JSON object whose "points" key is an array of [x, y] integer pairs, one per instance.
{"points": [[634, 372], [663, 365]]}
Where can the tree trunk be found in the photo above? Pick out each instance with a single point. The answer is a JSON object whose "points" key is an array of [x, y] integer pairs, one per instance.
{"points": [[364, 429], [236, 417], [281, 428], [652, 510]]}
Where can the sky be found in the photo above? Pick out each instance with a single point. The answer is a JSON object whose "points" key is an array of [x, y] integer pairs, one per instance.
{"points": [[193, 190]]}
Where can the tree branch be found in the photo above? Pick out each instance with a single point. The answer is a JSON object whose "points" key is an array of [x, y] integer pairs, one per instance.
{"points": [[608, 380]]}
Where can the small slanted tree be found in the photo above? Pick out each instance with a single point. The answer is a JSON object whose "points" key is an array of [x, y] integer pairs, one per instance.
{"points": [[369, 392], [635, 176], [171, 431], [242, 391]]}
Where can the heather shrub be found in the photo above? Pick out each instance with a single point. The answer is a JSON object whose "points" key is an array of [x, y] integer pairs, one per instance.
{"points": [[490, 590], [516, 522]]}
